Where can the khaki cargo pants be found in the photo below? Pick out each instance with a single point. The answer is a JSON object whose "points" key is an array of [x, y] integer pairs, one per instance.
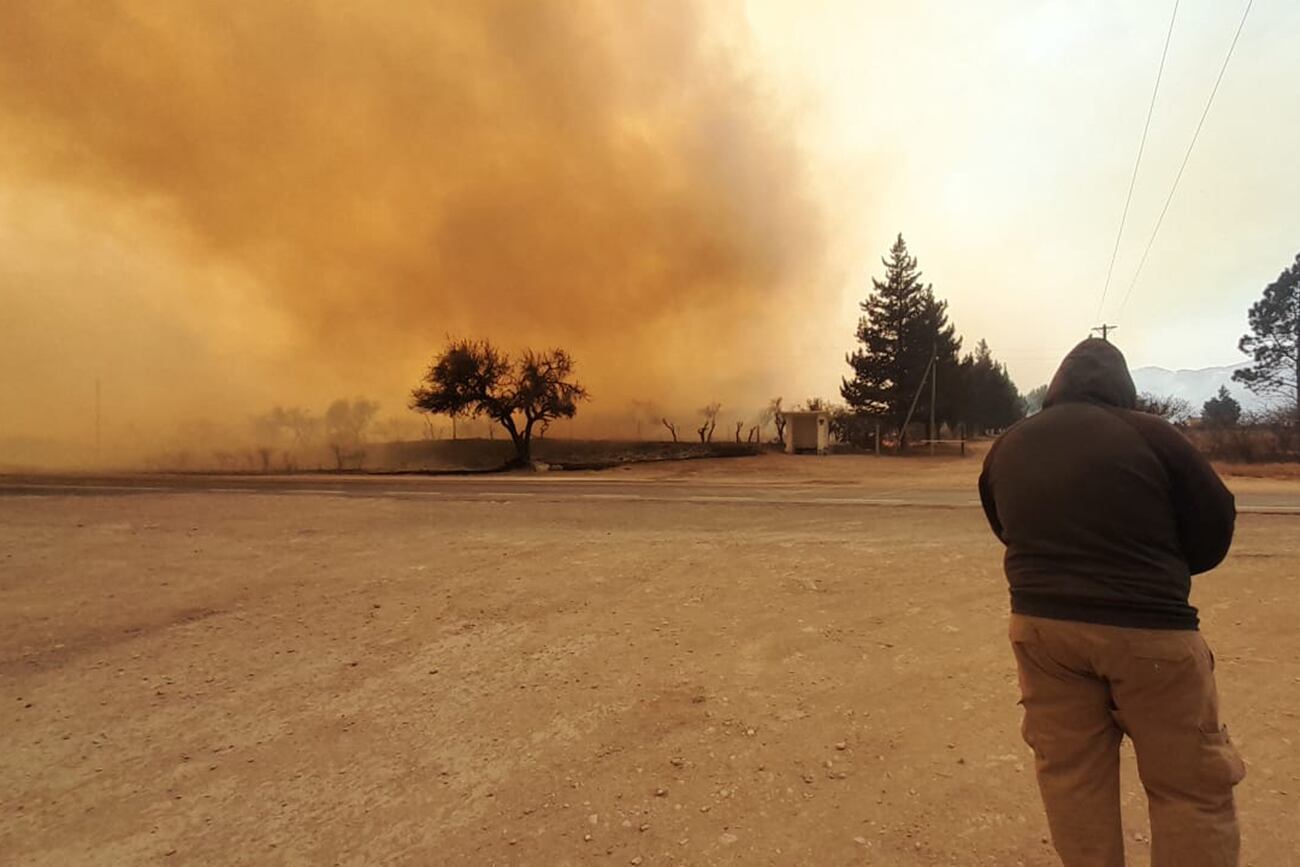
{"points": [[1083, 687]]}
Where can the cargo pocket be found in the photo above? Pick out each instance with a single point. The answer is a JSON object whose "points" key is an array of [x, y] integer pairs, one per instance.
{"points": [[1221, 764]]}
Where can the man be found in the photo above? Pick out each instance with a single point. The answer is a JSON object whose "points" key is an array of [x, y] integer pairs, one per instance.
{"points": [[1106, 513]]}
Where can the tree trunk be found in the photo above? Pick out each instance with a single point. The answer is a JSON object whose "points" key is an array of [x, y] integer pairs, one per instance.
{"points": [[524, 444], [521, 442]]}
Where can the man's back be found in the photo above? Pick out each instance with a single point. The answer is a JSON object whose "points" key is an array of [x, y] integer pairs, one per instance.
{"points": [[1106, 512]]}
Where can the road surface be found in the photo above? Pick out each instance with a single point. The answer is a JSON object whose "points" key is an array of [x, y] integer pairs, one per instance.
{"points": [[577, 487]]}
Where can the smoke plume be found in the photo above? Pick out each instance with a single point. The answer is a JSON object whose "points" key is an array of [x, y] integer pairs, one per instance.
{"points": [[216, 206]]}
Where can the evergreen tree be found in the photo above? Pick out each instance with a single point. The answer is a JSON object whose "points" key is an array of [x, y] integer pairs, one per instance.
{"points": [[989, 400], [1034, 400], [1221, 411], [1275, 341], [904, 324]]}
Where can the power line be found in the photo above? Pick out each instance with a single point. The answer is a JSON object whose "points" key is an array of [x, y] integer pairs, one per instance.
{"points": [[1195, 135], [1141, 147]]}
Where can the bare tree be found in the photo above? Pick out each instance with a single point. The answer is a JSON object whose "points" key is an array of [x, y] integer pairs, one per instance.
{"points": [[345, 427], [473, 378], [740, 425], [301, 423], [706, 430], [285, 430], [302, 427], [672, 428], [266, 433], [1174, 410], [778, 418]]}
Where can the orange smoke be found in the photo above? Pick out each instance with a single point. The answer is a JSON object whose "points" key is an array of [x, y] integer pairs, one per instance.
{"points": [[287, 201]]}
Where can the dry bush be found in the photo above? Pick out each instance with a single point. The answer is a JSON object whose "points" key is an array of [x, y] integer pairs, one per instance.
{"points": [[1249, 444]]}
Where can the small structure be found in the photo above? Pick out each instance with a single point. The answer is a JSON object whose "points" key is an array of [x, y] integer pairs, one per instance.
{"points": [[808, 431]]}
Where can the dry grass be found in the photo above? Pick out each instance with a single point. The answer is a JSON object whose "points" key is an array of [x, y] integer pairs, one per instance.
{"points": [[1262, 445]]}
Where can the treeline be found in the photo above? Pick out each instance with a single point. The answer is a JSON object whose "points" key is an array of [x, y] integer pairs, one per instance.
{"points": [[283, 439], [1223, 431], [908, 364], [285, 435]]}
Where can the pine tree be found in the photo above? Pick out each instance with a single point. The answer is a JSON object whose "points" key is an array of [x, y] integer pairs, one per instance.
{"points": [[904, 324], [1275, 341], [989, 400], [1221, 411], [1034, 399]]}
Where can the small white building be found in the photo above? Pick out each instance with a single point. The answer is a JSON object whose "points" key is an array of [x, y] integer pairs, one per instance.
{"points": [[807, 431]]}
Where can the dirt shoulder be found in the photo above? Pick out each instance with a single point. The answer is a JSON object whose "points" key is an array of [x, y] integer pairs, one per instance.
{"points": [[303, 679]]}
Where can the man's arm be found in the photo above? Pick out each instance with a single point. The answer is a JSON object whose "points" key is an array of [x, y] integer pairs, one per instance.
{"points": [[1203, 507], [986, 495]]}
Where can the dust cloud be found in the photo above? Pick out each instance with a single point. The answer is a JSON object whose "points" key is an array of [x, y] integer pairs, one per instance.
{"points": [[215, 207]]}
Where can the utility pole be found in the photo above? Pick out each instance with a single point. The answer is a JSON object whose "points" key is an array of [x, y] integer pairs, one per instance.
{"points": [[1105, 331], [916, 398], [934, 389]]}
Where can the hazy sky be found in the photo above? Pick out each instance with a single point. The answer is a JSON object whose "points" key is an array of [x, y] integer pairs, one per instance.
{"points": [[1000, 137], [216, 207]]}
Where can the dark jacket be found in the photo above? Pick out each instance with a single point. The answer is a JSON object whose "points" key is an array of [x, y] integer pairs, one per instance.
{"points": [[1106, 512]]}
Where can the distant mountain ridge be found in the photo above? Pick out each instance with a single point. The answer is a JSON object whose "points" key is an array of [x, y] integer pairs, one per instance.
{"points": [[1197, 386]]}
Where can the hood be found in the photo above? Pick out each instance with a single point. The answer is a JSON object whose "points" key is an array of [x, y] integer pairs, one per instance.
{"points": [[1094, 372]]}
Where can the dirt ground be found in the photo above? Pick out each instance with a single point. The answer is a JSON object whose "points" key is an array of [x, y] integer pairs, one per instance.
{"points": [[309, 678]]}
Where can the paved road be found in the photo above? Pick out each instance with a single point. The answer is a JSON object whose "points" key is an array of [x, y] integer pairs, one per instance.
{"points": [[554, 488]]}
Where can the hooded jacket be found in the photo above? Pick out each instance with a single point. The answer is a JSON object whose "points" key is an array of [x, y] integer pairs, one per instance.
{"points": [[1106, 512]]}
